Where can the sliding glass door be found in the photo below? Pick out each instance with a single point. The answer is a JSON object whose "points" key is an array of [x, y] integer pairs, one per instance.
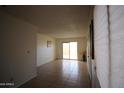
{"points": [[70, 50]]}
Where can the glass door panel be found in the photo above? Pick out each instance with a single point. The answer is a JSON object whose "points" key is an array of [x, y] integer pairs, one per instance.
{"points": [[73, 50], [66, 51]]}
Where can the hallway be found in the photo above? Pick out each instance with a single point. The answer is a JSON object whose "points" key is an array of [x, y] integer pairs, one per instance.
{"points": [[61, 74]]}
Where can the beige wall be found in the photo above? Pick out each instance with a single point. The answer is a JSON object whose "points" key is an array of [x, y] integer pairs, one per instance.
{"points": [[81, 46], [45, 54], [19, 50]]}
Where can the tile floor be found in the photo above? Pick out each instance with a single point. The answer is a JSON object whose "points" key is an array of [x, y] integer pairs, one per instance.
{"points": [[61, 74]]}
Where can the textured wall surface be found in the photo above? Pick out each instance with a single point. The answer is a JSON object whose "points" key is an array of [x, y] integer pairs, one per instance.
{"points": [[101, 44], [117, 45]]}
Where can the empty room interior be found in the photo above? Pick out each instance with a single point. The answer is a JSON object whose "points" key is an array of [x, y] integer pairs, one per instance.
{"points": [[61, 46]]}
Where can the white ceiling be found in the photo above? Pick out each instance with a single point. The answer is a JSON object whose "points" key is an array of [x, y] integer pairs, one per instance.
{"points": [[56, 21]]}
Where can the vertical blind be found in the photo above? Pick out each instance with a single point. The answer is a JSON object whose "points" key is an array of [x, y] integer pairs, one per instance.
{"points": [[109, 45], [101, 43], [117, 45]]}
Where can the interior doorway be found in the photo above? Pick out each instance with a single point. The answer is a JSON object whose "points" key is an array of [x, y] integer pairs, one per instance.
{"points": [[70, 50]]}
